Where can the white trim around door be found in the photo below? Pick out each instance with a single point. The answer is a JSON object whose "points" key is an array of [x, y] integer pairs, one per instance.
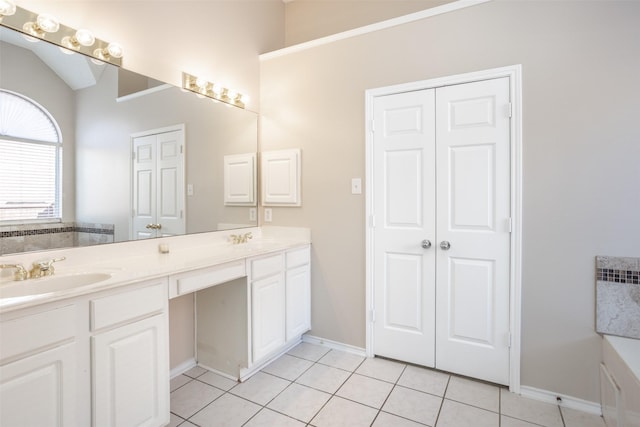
{"points": [[515, 82]]}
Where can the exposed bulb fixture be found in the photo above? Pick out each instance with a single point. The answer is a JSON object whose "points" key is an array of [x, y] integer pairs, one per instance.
{"points": [[35, 27], [215, 91], [44, 24], [80, 38], [7, 8]]}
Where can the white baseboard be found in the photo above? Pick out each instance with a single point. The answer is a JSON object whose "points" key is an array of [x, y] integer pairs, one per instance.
{"points": [[566, 401], [334, 345], [182, 368]]}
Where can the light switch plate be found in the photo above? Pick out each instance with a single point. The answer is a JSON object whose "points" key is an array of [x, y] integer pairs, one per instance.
{"points": [[356, 186], [252, 214], [189, 189], [268, 215]]}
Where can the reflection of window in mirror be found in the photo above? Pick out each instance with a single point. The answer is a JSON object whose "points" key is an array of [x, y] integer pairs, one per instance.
{"points": [[30, 161]]}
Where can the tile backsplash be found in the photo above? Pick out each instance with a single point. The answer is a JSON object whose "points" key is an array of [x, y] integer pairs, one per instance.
{"points": [[618, 296], [35, 237]]}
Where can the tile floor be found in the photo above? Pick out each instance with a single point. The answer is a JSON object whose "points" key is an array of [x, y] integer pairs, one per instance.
{"points": [[314, 386]]}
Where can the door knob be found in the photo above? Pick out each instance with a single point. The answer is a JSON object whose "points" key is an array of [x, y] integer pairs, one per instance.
{"points": [[154, 226], [444, 245], [426, 244], [149, 226]]}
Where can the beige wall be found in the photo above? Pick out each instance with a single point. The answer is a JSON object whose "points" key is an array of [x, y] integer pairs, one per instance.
{"points": [[311, 19], [580, 65]]}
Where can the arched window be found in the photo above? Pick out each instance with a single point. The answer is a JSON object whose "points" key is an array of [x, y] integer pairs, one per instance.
{"points": [[30, 160]]}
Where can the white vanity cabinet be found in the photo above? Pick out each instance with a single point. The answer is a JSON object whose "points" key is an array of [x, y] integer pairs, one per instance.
{"points": [[38, 368], [280, 300], [267, 283], [298, 293], [130, 354], [245, 322]]}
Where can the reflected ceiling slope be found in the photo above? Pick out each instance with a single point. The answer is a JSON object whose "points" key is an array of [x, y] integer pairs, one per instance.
{"points": [[76, 70]]}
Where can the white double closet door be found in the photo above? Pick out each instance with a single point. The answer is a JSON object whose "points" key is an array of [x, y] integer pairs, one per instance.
{"points": [[441, 247]]}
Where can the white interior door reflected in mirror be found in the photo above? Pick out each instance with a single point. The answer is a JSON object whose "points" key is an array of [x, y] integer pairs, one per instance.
{"points": [[239, 180], [280, 181]]}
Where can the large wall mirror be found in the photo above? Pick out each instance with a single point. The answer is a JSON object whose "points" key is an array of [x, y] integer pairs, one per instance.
{"points": [[99, 110]]}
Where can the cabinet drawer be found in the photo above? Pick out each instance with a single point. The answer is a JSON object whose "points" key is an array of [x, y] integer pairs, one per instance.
{"points": [[128, 305], [26, 334], [193, 281], [263, 267], [298, 257]]}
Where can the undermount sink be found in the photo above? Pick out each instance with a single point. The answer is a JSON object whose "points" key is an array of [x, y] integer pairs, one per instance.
{"points": [[50, 284]]}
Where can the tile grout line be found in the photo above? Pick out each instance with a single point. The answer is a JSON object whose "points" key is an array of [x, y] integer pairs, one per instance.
{"points": [[389, 395], [316, 362], [334, 393], [351, 373], [444, 393]]}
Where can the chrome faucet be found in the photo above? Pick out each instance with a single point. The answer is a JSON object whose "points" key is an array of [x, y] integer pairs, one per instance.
{"points": [[236, 239], [20, 274], [44, 268]]}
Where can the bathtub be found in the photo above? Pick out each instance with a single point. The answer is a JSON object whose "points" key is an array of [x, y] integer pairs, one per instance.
{"points": [[620, 381]]}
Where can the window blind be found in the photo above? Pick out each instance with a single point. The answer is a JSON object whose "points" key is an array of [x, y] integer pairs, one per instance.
{"points": [[28, 173], [30, 161]]}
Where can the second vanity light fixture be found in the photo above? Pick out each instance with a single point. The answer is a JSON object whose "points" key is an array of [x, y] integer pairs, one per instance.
{"points": [[47, 27], [202, 87]]}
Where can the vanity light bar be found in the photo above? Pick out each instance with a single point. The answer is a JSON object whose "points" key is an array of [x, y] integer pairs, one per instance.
{"points": [[46, 27], [214, 91]]}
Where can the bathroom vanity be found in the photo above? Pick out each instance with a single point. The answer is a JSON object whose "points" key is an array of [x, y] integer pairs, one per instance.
{"points": [[96, 352]]}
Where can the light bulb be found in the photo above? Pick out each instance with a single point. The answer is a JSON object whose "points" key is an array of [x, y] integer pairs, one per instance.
{"points": [[231, 94], [44, 24], [84, 37], [201, 83], [115, 50], [244, 99], [48, 23], [217, 89], [81, 38], [7, 8]]}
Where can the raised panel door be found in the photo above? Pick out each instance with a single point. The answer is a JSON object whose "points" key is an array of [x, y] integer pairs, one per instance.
{"points": [[131, 375], [40, 390], [298, 301], [268, 315]]}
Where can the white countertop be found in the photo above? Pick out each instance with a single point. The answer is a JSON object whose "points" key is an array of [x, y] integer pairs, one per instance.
{"points": [[629, 351], [132, 262]]}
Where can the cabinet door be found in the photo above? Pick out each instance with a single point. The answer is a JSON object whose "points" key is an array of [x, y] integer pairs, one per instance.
{"points": [[40, 390], [131, 374], [298, 311], [268, 305]]}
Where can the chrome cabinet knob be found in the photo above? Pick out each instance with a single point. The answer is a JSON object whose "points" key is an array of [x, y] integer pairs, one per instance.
{"points": [[426, 244], [444, 245]]}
